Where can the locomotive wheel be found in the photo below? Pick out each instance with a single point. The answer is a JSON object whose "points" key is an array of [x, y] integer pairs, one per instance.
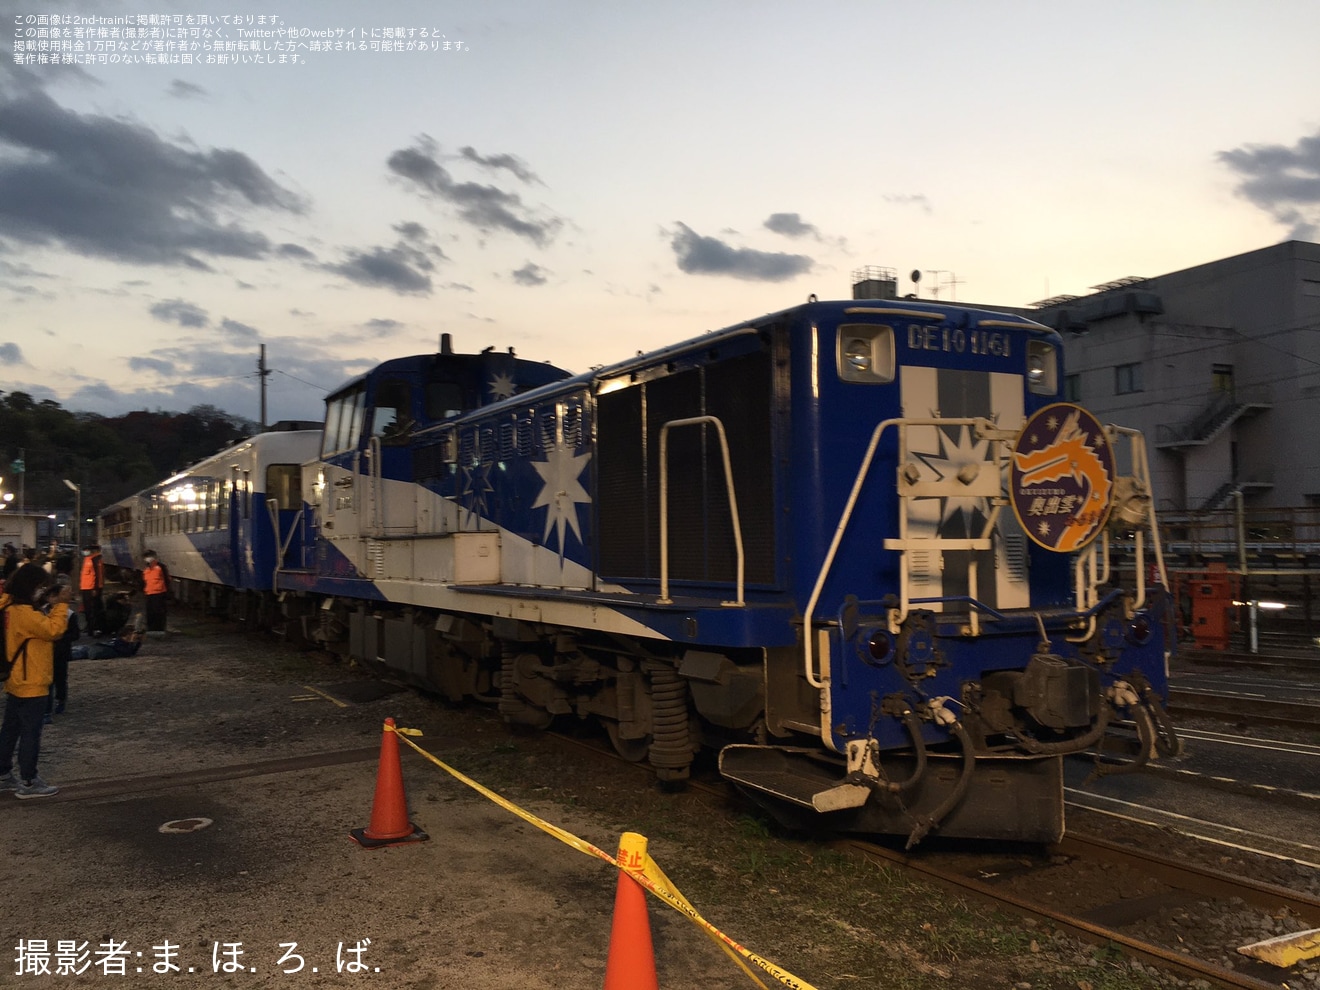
{"points": [[632, 750], [529, 720]]}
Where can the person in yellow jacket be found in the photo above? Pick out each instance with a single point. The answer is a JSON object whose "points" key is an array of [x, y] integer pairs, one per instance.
{"points": [[30, 636]]}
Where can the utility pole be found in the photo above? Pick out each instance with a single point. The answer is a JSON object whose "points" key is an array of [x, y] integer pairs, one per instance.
{"points": [[262, 373]]}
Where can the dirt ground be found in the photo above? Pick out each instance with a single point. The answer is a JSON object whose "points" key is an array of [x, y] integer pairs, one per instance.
{"points": [[488, 901], [273, 893]]}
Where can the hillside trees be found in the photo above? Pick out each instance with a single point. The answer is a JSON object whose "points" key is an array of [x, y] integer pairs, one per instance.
{"points": [[109, 457]]}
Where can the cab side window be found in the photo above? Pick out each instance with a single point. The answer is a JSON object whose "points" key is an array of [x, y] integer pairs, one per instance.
{"points": [[392, 416]]}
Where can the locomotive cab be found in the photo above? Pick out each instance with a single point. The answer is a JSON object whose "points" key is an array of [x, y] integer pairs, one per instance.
{"points": [[964, 628]]}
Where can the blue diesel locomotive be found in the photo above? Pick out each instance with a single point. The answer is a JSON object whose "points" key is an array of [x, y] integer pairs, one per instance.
{"points": [[860, 548]]}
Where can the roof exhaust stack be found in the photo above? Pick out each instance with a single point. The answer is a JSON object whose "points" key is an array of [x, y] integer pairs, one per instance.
{"points": [[446, 344]]}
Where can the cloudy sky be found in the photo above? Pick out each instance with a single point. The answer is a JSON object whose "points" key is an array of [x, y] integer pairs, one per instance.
{"points": [[580, 180]]}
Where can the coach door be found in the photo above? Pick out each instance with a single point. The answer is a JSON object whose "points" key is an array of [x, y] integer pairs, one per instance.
{"points": [[240, 525], [284, 509]]}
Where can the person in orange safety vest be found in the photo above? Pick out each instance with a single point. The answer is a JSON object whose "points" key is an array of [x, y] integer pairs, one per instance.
{"points": [[92, 583], [156, 588]]}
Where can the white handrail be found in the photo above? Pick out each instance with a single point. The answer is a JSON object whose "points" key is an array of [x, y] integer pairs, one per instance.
{"points": [[377, 515], [281, 546], [807, 653], [664, 598], [834, 547]]}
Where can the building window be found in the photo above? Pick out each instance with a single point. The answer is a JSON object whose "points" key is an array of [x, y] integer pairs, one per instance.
{"points": [[1310, 287], [1072, 388], [1221, 378], [1127, 379]]}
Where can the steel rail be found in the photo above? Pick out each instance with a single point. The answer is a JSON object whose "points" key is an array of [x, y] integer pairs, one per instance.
{"points": [[1190, 876], [1079, 927], [1194, 879]]}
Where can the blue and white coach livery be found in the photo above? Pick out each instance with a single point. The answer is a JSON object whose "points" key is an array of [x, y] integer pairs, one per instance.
{"points": [[227, 522]]}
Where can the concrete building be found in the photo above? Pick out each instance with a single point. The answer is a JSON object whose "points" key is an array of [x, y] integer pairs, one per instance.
{"points": [[1218, 365], [21, 529]]}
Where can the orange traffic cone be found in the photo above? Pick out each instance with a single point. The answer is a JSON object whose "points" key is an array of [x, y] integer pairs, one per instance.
{"points": [[389, 811], [631, 962]]}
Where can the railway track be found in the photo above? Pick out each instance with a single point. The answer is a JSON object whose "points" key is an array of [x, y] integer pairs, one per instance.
{"points": [[1302, 660], [1188, 702], [1193, 888], [1249, 976]]}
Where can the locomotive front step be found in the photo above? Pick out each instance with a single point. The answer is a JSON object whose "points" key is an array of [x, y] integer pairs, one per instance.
{"points": [[1013, 797]]}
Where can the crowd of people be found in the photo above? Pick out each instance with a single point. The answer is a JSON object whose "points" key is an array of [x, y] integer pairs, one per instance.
{"points": [[42, 627]]}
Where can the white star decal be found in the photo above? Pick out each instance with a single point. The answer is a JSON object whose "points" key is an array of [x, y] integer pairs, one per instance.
{"points": [[562, 491], [953, 456], [501, 387]]}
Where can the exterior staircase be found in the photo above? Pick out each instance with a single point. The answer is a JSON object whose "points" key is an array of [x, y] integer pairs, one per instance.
{"points": [[1225, 409]]}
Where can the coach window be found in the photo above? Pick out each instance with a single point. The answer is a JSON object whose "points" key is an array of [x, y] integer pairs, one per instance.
{"points": [[392, 416], [865, 353], [284, 485]]}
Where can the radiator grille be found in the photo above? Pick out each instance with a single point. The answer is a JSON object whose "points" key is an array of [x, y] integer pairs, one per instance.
{"points": [[701, 545]]}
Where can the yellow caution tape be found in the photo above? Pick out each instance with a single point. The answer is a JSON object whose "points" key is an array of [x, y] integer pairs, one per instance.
{"points": [[633, 856], [633, 861]]}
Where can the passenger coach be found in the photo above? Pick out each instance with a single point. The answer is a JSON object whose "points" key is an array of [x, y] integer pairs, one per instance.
{"points": [[228, 522]]}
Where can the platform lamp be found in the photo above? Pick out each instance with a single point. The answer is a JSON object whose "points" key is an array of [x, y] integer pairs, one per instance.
{"points": [[77, 510]]}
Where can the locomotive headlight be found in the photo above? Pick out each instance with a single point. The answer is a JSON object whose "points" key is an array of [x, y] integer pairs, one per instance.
{"points": [[857, 353], [865, 352], [1042, 367]]}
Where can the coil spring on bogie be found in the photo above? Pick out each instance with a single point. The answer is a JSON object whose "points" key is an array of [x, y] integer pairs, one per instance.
{"points": [[510, 705], [671, 746]]}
